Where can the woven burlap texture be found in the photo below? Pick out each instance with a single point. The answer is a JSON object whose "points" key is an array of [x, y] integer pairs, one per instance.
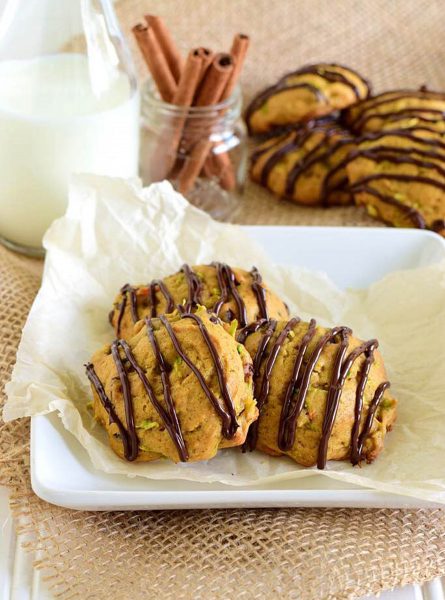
{"points": [[251, 554]]}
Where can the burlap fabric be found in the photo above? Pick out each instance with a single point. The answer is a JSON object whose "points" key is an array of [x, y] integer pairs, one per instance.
{"points": [[250, 554]]}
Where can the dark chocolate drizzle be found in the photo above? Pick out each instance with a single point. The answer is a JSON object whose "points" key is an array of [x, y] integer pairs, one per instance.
{"points": [[133, 447], [244, 333], [127, 291], [252, 434], [260, 293], [194, 285], [329, 73], [291, 410], [279, 88], [417, 154], [438, 225], [414, 215], [379, 155], [106, 402], [275, 157], [169, 416], [228, 285], [309, 160], [153, 285], [168, 398], [404, 134], [326, 71], [276, 142], [394, 115], [299, 383], [361, 109], [227, 415]]}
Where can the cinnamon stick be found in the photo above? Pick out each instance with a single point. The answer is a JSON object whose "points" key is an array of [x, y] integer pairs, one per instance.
{"points": [[170, 138], [215, 80], [221, 165], [189, 80], [193, 166], [156, 61], [168, 46], [211, 89], [240, 45], [206, 57]]}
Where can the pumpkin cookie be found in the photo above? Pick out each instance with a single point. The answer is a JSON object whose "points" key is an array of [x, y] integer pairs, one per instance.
{"points": [[310, 92], [304, 165], [400, 177], [181, 388], [322, 394], [230, 293], [397, 110]]}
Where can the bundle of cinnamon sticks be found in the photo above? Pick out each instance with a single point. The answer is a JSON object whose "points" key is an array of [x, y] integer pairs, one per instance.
{"points": [[202, 79]]}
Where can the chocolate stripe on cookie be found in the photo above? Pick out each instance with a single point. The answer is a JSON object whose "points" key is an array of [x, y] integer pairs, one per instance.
{"points": [[229, 421], [330, 73], [297, 140], [309, 161], [299, 383], [359, 112], [291, 410], [244, 333], [228, 284], [395, 115], [393, 95], [127, 290], [278, 89], [252, 434], [228, 416], [414, 215], [173, 415], [153, 285], [194, 285], [106, 403], [259, 292]]}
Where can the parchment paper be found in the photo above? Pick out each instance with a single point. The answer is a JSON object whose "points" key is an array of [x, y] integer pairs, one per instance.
{"points": [[116, 232]]}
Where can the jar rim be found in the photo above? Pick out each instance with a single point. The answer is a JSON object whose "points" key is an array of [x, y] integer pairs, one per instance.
{"points": [[151, 96]]}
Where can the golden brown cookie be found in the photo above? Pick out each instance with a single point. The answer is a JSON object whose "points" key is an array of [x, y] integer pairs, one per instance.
{"points": [[304, 165], [398, 109], [231, 293], [310, 92], [400, 177], [181, 388], [322, 394]]}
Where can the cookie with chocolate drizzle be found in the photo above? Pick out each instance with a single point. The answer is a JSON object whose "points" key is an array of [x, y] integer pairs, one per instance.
{"points": [[399, 176], [310, 92], [322, 394], [180, 388], [398, 109], [229, 292], [305, 165]]}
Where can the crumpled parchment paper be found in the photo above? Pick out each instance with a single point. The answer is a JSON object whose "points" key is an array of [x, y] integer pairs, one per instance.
{"points": [[116, 232]]}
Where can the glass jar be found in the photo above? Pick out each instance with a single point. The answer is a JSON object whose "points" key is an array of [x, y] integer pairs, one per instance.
{"points": [[69, 103], [201, 150]]}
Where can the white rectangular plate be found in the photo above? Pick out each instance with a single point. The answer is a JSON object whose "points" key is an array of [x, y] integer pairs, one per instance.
{"points": [[352, 257]]}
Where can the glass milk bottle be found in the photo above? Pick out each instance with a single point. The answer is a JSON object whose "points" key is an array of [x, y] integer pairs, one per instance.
{"points": [[69, 103]]}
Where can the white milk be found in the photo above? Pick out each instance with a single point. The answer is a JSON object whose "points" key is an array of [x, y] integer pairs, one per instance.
{"points": [[52, 125]]}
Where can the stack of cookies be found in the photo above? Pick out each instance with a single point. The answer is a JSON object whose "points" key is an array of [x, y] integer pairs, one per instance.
{"points": [[209, 358], [329, 142]]}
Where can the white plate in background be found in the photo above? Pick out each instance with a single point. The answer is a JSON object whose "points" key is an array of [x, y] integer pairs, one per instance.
{"points": [[62, 473]]}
